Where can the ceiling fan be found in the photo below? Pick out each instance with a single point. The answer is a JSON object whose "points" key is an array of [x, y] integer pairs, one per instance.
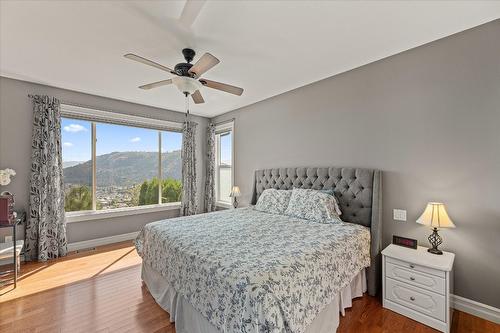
{"points": [[188, 76]]}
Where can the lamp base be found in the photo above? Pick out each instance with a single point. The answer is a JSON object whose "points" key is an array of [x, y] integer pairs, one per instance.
{"points": [[435, 241], [235, 203], [435, 251]]}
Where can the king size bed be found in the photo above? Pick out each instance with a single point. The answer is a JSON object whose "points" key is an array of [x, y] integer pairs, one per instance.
{"points": [[248, 270]]}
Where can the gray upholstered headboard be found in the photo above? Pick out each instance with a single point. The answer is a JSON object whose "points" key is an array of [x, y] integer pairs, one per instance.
{"points": [[359, 192]]}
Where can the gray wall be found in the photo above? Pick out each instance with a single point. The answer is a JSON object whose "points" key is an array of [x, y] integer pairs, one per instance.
{"points": [[429, 118], [15, 150]]}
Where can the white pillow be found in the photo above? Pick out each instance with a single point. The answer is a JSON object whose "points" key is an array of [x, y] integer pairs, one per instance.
{"points": [[312, 205], [273, 201]]}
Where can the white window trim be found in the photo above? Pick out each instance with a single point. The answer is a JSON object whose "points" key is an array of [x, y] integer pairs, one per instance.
{"points": [[95, 115], [90, 114], [226, 126], [88, 215]]}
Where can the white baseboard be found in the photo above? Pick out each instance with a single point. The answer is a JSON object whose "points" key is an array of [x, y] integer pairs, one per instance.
{"points": [[75, 246], [475, 308], [101, 241], [9, 261]]}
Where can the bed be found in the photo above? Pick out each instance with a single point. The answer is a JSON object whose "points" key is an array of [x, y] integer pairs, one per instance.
{"points": [[244, 270]]}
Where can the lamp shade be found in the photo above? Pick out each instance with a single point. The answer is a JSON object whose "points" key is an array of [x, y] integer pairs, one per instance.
{"points": [[435, 216], [235, 192]]}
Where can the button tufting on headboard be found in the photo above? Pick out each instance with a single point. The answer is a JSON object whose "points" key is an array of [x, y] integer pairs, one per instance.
{"points": [[352, 186]]}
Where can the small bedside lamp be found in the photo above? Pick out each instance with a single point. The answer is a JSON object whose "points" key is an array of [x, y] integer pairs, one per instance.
{"points": [[235, 193], [435, 216]]}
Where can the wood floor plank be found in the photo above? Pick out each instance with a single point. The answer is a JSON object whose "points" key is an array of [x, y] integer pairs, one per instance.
{"points": [[102, 291]]}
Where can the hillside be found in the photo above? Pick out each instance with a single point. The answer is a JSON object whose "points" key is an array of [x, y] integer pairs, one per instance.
{"points": [[125, 168]]}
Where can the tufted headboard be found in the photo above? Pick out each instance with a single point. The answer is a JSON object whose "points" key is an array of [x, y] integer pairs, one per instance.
{"points": [[359, 192]]}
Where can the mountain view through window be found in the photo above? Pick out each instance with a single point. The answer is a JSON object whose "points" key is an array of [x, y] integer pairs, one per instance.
{"points": [[127, 165]]}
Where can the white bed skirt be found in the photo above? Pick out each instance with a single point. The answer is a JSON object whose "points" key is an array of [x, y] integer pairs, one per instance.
{"points": [[188, 320]]}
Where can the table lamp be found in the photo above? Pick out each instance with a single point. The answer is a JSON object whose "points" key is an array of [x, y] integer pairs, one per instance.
{"points": [[436, 217], [235, 193]]}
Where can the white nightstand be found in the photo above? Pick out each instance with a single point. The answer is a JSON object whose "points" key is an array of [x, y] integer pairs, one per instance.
{"points": [[418, 284]]}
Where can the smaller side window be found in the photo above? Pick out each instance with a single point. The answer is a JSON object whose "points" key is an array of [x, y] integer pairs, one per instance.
{"points": [[224, 164]]}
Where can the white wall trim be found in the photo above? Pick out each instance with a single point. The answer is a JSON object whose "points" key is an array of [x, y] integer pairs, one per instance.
{"points": [[87, 215], [117, 117], [87, 244], [475, 308], [101, 241]]}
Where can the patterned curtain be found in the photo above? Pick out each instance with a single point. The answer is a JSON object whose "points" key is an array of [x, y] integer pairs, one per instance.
{"points": [[46, 225], [210, 176], [189, 202]]}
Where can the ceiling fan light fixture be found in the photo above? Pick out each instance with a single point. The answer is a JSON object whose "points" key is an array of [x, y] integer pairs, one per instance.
{"points": [[186, 84]]}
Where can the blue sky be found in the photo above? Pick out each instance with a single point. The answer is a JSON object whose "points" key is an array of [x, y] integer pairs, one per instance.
{"points": [[76, 139], [225, 148]]}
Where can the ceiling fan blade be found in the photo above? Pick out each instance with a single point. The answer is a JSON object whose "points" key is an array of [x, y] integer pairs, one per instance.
{"points": [[156, 84], [222, 86], [197, 98], [191, 11], [203, 64], [145, 61]]}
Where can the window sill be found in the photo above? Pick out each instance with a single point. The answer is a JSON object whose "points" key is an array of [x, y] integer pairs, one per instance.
{"points": [[223, 204], [117, 212]]}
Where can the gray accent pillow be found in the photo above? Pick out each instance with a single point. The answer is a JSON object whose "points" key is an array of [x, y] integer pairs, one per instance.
{"points": [[312, 205], [273, 201]]}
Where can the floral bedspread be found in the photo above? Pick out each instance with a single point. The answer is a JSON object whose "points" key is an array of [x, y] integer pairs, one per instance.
{"points": [[248, 271]]}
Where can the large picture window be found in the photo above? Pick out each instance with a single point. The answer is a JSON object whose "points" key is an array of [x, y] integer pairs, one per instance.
{"points": [[111, 166], [224, 163]]}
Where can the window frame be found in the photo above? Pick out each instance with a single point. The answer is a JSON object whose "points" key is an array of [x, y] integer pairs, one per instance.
{"points": [[111, 117], [220, 129]]}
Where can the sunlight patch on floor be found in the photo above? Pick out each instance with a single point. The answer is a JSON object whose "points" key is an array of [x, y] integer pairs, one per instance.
{"points": [[37, 277]]}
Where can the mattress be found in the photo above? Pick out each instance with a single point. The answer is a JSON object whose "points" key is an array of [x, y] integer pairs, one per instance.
{"points": [[250, 271]]}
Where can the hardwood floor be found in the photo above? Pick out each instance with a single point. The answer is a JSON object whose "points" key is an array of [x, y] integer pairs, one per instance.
{"points": [[101, 291]]}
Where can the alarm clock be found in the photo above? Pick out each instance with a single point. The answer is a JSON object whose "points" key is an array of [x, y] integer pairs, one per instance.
{"points": [[403, 241]]}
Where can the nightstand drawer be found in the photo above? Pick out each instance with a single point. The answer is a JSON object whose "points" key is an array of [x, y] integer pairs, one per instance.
{"points": [[416, 278], [415, 267], [425, 302]]}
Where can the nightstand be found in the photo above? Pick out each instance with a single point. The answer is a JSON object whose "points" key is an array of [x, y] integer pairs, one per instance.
{"points": [[418, 284]]}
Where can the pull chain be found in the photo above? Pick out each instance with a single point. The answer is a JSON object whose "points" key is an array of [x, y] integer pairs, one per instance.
{"points": [[187, 106]]}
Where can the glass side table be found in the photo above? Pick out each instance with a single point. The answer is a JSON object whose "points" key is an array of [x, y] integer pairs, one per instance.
{"points": [[19, 219]]}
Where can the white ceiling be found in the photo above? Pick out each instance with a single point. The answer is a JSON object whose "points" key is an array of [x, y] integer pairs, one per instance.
{"points": [[265, 47]]}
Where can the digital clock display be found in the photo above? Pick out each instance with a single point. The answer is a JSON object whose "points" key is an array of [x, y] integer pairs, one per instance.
{"points": [[403, 241]]}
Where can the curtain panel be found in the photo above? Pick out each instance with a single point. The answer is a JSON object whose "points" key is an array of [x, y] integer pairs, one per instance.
{"points": [[210, 172], [189, 202], [46, 225]]}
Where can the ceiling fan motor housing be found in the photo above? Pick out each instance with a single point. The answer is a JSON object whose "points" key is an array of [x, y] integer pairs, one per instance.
{"points": [[182, 69]]}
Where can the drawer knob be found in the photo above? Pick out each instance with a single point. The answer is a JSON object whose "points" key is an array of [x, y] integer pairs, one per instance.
{"points": [[412, 298], [412, 266], [412, 278]]}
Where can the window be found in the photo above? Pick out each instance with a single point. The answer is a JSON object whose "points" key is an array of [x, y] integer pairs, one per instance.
{"points": [[76, 136], [171, 167], [109, 165], [224, 163]]}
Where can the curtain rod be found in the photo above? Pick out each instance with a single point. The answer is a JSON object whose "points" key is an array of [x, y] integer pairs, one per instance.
{"points": [[108, 110], [225, 121]]}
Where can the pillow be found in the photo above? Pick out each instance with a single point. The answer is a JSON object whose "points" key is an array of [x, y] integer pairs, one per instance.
{"points": [[312, 205], [332, 193], [273, 201]]}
